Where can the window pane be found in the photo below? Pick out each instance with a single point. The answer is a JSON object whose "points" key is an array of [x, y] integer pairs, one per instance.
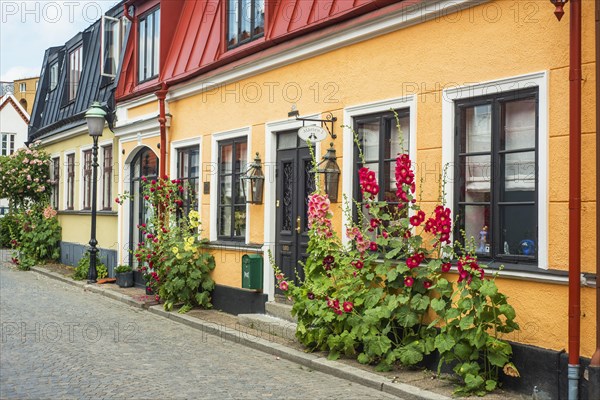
{"points": [[142, 51], [225, 221], [476, 172], [156, 42], [287, 140], [369, 134], [232, 30], [149, 46], [246, 19], [259, 16], [241, 157], [226, 159], [518, 230], [226, 190], [478, 129], [519, 130], [194, 164], [240, 221], [519, 176], [394, 143], [389, 186], [476, 222]]}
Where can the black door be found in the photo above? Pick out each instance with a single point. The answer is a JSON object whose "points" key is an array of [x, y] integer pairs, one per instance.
{"points": [[294, 183]]}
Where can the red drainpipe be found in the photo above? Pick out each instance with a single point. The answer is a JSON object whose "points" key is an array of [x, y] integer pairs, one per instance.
{"points": [[574, 197], [162, 120]]}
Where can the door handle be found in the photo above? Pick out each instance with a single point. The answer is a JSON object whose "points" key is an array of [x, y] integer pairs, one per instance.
{"points": [[298, 224]]}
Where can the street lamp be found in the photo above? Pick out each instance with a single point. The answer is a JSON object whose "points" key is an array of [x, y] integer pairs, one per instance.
{"points": [[95, 118]]}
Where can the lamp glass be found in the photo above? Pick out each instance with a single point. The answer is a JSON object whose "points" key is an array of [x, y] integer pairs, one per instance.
{"points": [[95, 118]]}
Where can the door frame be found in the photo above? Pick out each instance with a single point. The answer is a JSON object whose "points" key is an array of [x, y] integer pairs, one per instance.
{"points": [[270, 192]]}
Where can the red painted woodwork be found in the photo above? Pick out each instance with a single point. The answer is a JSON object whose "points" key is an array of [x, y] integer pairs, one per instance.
{"points": [[193, 35]]}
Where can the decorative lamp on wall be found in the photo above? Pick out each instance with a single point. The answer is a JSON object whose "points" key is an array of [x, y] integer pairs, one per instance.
{"points": [[331, 173], [253, 182]]}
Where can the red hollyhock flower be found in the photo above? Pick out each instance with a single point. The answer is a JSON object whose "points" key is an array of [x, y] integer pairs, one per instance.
{"points": [[409, 281], [415, 221], [373, 246], [348, 306], [310, 296], [446, 267], [427, 284], [359, 264]]}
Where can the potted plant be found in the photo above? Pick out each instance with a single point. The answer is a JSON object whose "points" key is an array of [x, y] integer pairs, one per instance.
{"points": [[124, 275]]}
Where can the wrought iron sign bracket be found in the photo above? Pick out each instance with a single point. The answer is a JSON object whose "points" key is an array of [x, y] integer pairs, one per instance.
{"points": [[329, 120]]}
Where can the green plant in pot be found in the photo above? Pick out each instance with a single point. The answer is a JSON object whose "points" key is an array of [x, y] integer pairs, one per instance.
{"points": [[124, 275]]}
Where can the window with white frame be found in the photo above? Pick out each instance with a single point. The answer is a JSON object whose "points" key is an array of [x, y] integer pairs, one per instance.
{"points": [[75, 68], [113, 36], [188, 171], [22, 87], [231, 214], [107, 177], [70, 181], [87, 179], [496, 190], [148, 45], [7, 143], [54, 197]]}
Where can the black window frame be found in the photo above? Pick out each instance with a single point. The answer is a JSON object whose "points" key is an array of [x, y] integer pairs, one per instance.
{"points": [[189, 198], [236, 183], [141, 63], [497, 102], [387, 122], [240, 11]]}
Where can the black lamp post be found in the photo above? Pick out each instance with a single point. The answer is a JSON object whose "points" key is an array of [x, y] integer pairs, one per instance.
{"points": [[95, 117], [331, 173], [253, 181]]}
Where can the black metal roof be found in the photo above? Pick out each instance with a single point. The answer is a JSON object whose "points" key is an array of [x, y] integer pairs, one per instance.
{"points": [[52, 111]]}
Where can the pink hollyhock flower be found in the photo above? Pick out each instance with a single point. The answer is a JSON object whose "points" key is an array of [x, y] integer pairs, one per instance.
{"points": [[283, 285]]}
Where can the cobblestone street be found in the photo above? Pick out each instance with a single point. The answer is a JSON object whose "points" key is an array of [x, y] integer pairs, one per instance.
{"points": [[60, 342]]}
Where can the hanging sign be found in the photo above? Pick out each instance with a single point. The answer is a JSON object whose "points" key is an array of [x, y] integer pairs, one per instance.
{"points": [[312, 133]]}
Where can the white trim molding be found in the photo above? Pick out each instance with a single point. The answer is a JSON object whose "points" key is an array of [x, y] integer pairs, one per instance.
{"points": [[537, 79], [66, 178], [81, 174], [406, 102], [213, 171]]}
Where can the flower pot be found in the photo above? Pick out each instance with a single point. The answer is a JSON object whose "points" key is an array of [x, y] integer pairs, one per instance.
{"points": [[124, 279]]}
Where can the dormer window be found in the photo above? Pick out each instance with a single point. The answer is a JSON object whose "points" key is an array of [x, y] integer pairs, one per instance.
{"points": [[148, 45], [53, 75], [75, 67], [245, 20], [113, 34]]}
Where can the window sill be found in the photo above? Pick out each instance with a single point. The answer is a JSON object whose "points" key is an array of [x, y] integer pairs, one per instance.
{"points": [[233, 245], [88, 212]]}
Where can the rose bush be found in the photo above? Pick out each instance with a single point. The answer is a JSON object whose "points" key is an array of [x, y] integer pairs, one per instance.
{"points": [[381, 296]]}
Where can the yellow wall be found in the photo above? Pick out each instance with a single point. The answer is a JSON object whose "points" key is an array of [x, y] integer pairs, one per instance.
{"points": [[145, 109], [489, 42], [76, 223], [29, 93]]}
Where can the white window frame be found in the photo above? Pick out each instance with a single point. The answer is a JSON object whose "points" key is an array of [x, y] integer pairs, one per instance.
{"points": [[53, 75], [66, 179], [23, 87], [75, 58], [100, 177], [212, 170], [537, 79], [118, 34], [81, 175], [351, 112], [8, 136], [181, 144], [52, 158]]}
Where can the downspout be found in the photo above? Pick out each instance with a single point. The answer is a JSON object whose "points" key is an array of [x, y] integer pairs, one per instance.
{"points": [[574, 198], [126, 12], [594, 369], [162, 120]]}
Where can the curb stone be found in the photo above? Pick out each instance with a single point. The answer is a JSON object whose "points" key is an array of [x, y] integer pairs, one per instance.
{"points": [[314, 362]]}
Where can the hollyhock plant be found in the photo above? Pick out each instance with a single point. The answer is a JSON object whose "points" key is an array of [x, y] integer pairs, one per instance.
{"points": [[380, 294]]}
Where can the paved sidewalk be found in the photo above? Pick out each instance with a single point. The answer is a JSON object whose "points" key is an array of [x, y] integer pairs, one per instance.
{"points": [[409, 384]]}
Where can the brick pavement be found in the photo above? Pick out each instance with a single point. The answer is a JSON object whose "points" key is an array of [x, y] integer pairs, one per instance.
{"points": [[59, 342]]}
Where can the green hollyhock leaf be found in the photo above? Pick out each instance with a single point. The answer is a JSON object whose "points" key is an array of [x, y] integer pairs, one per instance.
{"points": [[462, 350], [392, 274], [473, 382], [488, 288], [379, 345], [419, 302], [508, 311], [466, 323], [409, 355], [363, 358], [497, 358], [490, 385], [407, 317], [444, 343], [438, 305], [393, 253]]}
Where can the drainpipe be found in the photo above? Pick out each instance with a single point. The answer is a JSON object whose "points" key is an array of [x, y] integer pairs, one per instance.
{"points": [[594, 368], [162, 120], [574, 197]]}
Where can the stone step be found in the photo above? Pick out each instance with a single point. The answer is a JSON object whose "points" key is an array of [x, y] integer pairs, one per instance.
{"points": [[269, 325], [280, 310]]}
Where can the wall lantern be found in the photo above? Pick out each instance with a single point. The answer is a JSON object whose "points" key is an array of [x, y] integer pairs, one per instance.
{"points": [[253, 182], [331, 173]]}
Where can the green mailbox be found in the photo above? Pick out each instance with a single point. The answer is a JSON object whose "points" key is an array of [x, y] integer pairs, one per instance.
{"points": [[252, 271]]}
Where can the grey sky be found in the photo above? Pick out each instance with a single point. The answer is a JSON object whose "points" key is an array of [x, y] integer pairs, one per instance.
{"points": [[28, 28]]}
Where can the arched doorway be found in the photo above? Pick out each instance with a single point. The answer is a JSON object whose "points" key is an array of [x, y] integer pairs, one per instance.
{"points": [[144, 164]]}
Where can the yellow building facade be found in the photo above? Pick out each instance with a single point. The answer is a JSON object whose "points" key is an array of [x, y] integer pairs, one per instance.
{"points": [[24, 90], [426, 63]]}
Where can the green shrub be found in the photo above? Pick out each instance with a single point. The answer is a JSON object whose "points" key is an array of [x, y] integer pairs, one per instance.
{"points": [[9, 229], [38, 239], [122, 268], [83, 268]]}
